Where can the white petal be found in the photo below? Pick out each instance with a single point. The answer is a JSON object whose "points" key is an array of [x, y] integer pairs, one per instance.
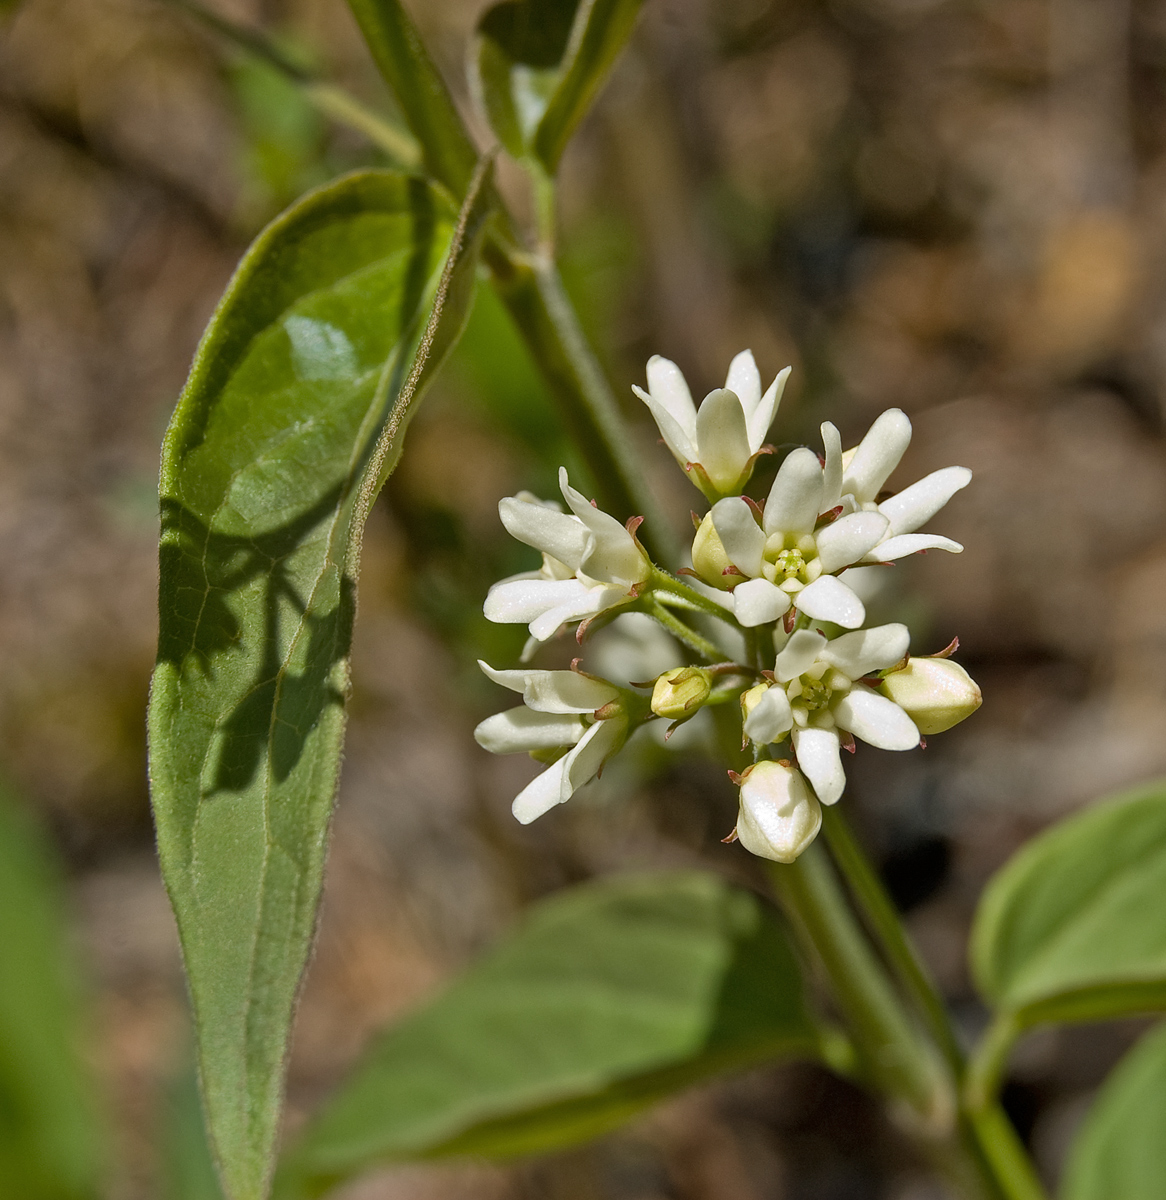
{"points": [[771, 717], [598, 744], [542, 793], [829, 599], [614, 557], [514, 680], [522, 730], [554, 533], [877, 455], [667, 384], [779, 816], [740, 534], [722, 438], [566, 692], [522, 600], [757, 602], [745, 379], [820, 759], [911, 543], [799, 654], [682, 444], [593, 600], [795, 498], [877, 720], [857, 654], [832, 472], [761, 418], [916, 505], [848, 539]]}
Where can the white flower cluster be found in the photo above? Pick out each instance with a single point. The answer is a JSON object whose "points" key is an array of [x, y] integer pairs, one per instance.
{"points": [[774, 571]]}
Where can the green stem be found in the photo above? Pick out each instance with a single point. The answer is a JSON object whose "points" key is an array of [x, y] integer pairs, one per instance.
{"points": [[876, 906], [896, 1057], [344, 108], [682, 633], [981, 1114], [687, 597]]}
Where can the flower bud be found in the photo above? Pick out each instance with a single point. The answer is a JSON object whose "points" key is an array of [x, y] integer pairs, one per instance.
{"points": [[936, 693], [779, 815], [680, 692], [751, 698], [709, 559]]}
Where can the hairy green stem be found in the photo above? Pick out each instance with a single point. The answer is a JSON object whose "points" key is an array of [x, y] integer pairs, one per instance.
{"points": [[896, 1056], [980, 1113], [688, 597], [689, 637], [879, 911]]}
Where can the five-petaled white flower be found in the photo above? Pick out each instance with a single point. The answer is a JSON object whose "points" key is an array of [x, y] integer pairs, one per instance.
{"points": [[822, 517], [590, 562], [577, 716], [718, 444], [778, 815], [818, 697]]}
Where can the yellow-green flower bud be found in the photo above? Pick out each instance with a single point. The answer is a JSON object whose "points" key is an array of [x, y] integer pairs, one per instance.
{"points": [[709, 559], [750, 698], [936, 693], [680, 692]]}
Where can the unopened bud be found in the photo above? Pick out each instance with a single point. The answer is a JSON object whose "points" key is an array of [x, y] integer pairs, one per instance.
{"points": [[935, 693], [779, 815], [680, 692], [709, 559], [751, 698]]}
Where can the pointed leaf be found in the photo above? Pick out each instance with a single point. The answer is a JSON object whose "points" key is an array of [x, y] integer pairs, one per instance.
{"points": [[602, 27], [291, 419], [539, 64], [607, 998], [49, 1136], [1119, 1152], [1074, 927]]}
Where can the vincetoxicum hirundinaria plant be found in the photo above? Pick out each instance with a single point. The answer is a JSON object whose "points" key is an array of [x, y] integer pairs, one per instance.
{"points": [[617, 993]]}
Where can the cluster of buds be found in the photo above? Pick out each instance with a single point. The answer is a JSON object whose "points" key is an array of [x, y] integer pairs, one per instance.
{"points": [[774, 572]]}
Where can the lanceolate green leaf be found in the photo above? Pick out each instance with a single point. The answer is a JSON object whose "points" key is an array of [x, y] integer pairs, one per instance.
{"points": [[540, 64], [49, 1136], [1120, 1151], [1074, 927], [607, 998], [292, 418]]}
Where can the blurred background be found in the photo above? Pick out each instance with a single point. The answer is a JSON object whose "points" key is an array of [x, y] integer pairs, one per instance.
{"points": [[953, 206]]}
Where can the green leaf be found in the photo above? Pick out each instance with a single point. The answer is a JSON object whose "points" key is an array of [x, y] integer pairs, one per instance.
{"points": [[607, 998], [49, 1136], [292, 418], [415, 81], [1074, 927], [540, 64], [1119, 1152]]}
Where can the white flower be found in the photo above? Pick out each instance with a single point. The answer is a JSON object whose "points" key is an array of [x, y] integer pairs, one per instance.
{"points": [[590, 562], [820, 519], [817, 695], [779, 816], [560, 712], [717, 445]]}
